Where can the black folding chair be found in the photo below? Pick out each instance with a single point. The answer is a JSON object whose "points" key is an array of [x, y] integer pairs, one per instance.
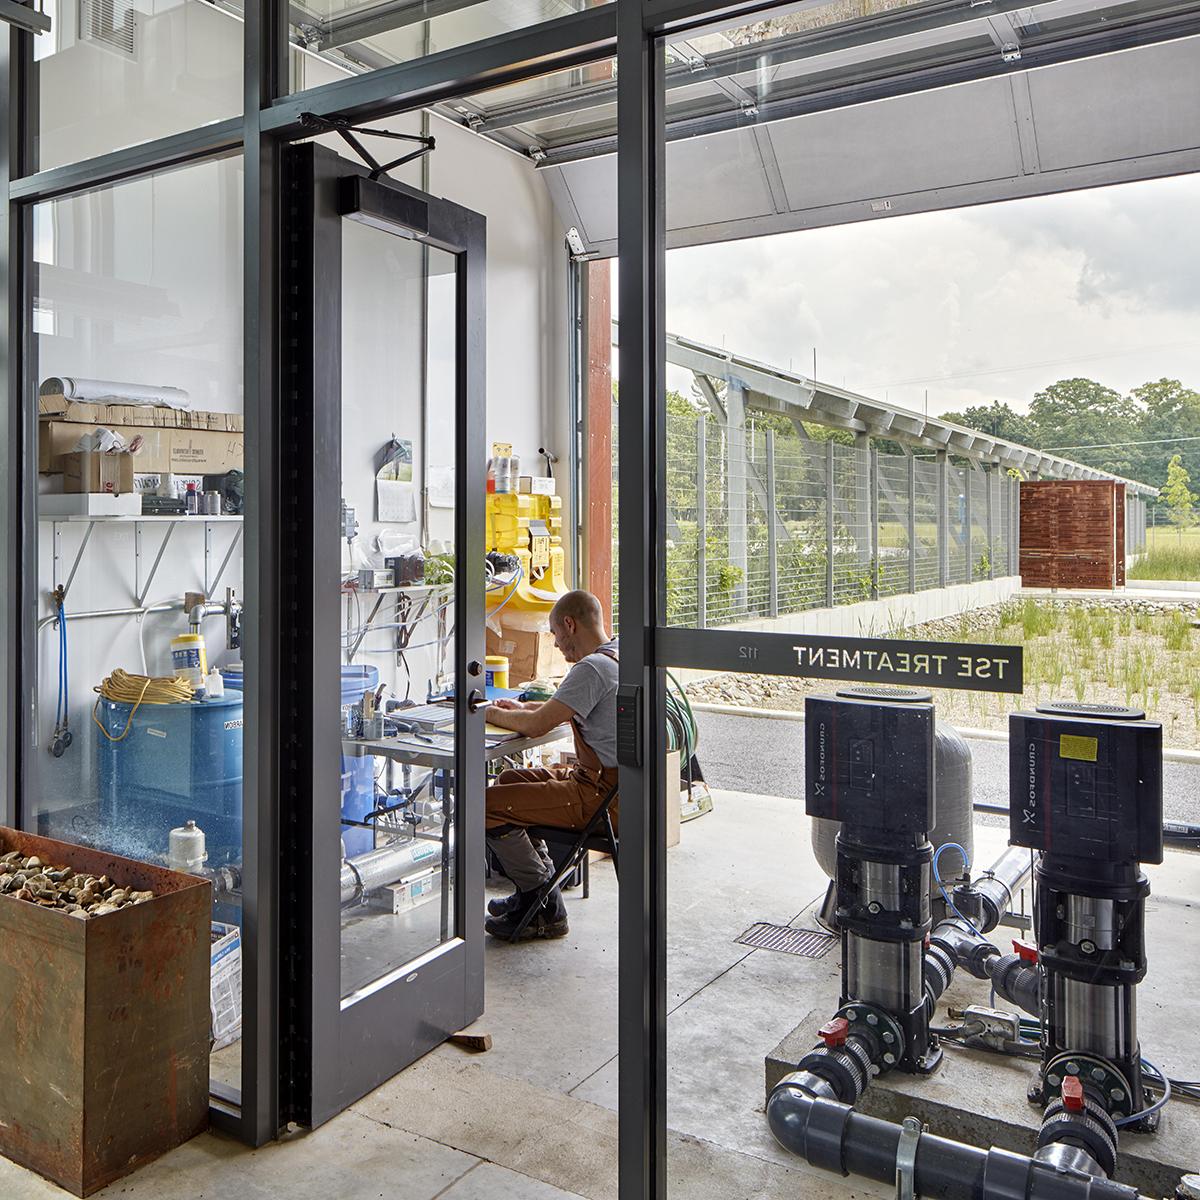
{"points": [[598, 834]]}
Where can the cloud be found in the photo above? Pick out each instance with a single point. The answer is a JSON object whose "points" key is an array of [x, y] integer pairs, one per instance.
{"points": [[972, 305]]}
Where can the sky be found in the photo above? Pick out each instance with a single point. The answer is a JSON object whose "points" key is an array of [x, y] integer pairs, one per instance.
{"points": [[977, 304]]}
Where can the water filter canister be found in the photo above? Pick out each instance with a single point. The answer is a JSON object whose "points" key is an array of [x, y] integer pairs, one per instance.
{"points": [[186, 849]]}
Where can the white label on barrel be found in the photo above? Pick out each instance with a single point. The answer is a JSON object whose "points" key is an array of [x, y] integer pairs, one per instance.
{"points": [[234, 724], [156, 732]]}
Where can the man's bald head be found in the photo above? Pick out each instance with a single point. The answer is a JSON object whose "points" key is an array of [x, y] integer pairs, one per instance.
{"points": [[582, 607], [577, 622]]}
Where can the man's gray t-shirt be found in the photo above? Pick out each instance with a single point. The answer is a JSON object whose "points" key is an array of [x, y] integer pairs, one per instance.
{"points": [[590, 691]]}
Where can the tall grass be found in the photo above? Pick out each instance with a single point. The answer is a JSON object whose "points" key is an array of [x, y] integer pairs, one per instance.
{"points": [[1165, 560]]}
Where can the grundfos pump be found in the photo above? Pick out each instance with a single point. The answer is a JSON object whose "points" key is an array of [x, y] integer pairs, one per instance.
{"points": [[870, 766], [1086, 791]]}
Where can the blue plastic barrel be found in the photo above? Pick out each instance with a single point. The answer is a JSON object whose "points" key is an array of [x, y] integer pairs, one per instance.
{"points": [[358, 774], [178, 762]]}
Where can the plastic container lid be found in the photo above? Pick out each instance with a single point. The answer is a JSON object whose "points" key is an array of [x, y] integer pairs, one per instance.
{"points": [[356, 680]]}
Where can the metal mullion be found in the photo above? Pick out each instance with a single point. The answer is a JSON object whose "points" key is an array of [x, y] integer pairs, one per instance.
{"points": [[570, 41], [265, 60], [642, 910], [176, 150]]}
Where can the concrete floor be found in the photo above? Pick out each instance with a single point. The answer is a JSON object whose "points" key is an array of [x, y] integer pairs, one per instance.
{"points": [[535, 1118]]}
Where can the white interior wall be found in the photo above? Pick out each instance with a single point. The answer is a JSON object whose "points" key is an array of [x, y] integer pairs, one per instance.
{"points": [[141, 284], [186, 71]]}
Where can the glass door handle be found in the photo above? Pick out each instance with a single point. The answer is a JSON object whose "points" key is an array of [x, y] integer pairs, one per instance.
{"points": [[476, 700]]}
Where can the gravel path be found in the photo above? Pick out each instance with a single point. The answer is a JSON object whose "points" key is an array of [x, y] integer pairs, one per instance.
{"points": [[758, 754]]}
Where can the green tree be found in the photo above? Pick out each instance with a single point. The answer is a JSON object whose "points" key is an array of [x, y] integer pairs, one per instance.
{"points": [[1170, 412], [1181, 500], [998, 419], [1085, 421]]}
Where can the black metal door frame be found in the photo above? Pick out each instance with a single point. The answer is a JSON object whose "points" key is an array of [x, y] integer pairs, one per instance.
{"points": [[333, 1051]]}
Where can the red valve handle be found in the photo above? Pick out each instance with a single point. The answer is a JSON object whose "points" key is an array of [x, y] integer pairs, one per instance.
{"points": [[1026, 951], [834, 1033], [1072, 1094]]}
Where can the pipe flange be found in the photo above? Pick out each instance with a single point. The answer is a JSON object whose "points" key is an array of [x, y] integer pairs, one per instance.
{"points": [[1100, 1078], [846, 1068], [1090, 1128], [879, 1029]]}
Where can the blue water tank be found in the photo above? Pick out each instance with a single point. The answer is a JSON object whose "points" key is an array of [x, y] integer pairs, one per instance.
{"points": [[358, 774], [178, 762]]}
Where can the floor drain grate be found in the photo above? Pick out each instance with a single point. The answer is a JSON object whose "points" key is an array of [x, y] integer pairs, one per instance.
{"points": [[808, 943]]}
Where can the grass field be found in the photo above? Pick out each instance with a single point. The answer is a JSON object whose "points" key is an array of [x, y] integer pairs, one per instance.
{"points": [[1170, 554], [1078, 651]]}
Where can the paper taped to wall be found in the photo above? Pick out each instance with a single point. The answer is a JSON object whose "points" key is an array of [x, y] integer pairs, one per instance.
{"points": [[394, 501]]}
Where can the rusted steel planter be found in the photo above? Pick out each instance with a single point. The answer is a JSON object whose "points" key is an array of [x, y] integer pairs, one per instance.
{"points": [[103, 1023]]}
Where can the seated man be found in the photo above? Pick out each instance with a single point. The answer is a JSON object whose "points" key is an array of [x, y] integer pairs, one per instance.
{"points": [[563, 797]]}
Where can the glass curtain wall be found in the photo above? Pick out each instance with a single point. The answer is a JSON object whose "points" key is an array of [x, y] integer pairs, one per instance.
{"points": [[137, 352], [836, 276], [116, 73]]}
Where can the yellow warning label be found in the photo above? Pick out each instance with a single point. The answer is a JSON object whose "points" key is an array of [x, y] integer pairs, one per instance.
{"points": [[1071, 745]]}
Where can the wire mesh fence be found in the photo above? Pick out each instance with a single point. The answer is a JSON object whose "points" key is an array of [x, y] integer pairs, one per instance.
{"points": [[763, 522]]}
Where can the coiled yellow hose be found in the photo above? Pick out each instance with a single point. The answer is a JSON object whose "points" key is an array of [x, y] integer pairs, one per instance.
{"points": [[137, 690]]}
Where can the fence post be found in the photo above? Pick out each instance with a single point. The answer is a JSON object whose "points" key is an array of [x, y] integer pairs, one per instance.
{"points": [[772, 539], [737, 471], [943, 522], [1014, 525], [912, 522], [829, 523], [701, 522], [968, 475], [991, 524], [873, 516]]}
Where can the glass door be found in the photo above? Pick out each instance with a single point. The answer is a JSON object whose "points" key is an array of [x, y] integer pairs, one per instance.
{"points": [[382, 797]]}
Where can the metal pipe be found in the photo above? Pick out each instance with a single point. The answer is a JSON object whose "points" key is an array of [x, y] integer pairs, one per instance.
{"points": [[833, 1136], [388, 864]]}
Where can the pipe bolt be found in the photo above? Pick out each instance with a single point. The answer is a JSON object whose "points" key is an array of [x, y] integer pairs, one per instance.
{"points": [[1116, 1094], [1072, 1068], [872, 1019], [888, 1038], [1087, 946], [874, 907], [852, 1014], [889, 1058], [1097, 1074], [1053, 1080]]}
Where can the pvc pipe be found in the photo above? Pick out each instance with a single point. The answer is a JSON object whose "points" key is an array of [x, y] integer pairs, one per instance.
{"points": [[835, 1137]]}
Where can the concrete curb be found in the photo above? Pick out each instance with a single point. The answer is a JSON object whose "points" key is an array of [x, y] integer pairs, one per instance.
{"points": [[1170, 754]]}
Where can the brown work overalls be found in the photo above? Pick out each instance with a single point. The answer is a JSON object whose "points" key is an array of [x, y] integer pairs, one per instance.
{"points": [[561, 797]]}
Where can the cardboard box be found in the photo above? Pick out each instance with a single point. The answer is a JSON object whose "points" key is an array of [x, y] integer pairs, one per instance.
{"points": [[184, 451], [206, 452], [531, 654], [225, 985], [87, 471], [59, 438], [81, 412]]}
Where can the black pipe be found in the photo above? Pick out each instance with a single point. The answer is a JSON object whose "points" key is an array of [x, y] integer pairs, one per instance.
{"points": [[835, 1137]]}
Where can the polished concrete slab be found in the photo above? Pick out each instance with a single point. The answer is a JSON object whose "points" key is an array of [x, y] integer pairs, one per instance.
{"points": [[536, 1116]]}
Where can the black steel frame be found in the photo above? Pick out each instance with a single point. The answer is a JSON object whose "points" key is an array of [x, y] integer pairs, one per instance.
{"points": [[627, 28], [334, 1051]]}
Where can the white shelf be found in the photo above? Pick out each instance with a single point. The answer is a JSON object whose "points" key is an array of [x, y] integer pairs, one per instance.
{"points": [[130, 519]]}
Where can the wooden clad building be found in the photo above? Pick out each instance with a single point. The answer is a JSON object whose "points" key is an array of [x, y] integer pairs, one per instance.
{"points": [[1073, 533]]}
